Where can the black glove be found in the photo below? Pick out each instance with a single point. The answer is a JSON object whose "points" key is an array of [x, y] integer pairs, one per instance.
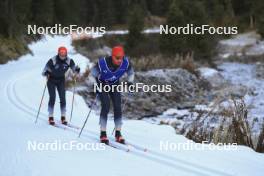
{"points": [[77, 69], [47, 73]]}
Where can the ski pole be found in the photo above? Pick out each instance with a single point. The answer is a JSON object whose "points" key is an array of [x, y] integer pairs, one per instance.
{"points": [[41, 100], [94, 102], [73, 97], [121, 111]]}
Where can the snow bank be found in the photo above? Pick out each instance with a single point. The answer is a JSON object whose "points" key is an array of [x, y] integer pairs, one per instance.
{"points": [[246, 44]]}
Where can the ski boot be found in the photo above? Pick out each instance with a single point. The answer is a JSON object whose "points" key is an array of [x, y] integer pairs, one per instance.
{"points": [[51, 121], [119, 137], [63, 120], [103, 138]]}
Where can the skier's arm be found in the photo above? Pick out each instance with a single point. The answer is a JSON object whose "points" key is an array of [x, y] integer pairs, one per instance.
{"points": [[95, 71], [130, 74], [74, 67], [47, 69], [93, 77]]}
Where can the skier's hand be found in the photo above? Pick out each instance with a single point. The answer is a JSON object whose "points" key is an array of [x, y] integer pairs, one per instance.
{"points": [[130, 84], [47, 74], [93, 103], [77, 69]]}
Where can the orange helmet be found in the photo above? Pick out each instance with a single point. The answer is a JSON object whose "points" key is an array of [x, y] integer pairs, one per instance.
{"points": [[117, 55], [62, 51]]}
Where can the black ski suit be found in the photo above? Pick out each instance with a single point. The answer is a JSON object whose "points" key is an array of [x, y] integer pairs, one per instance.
{"points": [[55, 69]]}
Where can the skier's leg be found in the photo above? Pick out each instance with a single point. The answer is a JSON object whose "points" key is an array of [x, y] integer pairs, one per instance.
{"points": [[52, 97], [62, 92], [116, 99], [105, 106]]}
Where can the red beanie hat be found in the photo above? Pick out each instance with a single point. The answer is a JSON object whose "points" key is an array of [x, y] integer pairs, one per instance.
{"points": [[62, 50], [118, 51]]}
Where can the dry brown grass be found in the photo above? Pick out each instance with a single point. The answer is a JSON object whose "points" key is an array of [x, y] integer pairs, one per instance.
{"points": [[234, 126], [145, 63], [187, 63]]}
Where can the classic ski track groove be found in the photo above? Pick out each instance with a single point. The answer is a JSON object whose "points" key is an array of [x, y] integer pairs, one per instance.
{"points": [[150, 154], [32, 112]]}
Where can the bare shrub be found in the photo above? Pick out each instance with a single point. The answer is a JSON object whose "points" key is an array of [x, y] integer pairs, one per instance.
{"points": [[233, 126]]}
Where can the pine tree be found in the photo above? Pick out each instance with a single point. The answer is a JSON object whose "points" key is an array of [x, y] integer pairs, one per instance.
{"points": [[66, 12], [86, 12], [158, 7], [121, 11], [42, 12], [172, 44], [16, 17], [181, 13], [195, 14], [259, 16], [4, 18], [135, 26]]}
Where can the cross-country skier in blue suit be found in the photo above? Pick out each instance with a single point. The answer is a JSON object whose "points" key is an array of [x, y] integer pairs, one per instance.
{"points": [[108, 71]]}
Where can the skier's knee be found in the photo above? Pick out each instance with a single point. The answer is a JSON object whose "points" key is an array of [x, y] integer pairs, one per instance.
{"points": [[105, 107], [52, 101]]}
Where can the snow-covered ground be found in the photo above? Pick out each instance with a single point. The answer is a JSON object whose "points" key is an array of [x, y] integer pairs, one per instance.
{"points": [[245, 75], [237, 74], [154, 30], [241, 74], [22, 86], [245, 44]]}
